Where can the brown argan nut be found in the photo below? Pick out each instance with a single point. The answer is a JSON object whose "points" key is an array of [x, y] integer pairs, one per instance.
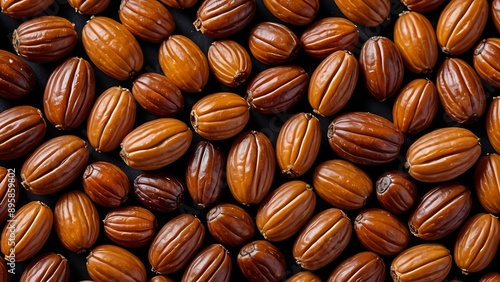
{"points": [[212, 264], [180, 4], [229, 62], [159, 192], [19, 9], [487, 182], [261, 261], [47, 266], [396, 192], [369, 13], [293, 12], [109, 262], [230, 225], [495, 13], [490, 277], [130, 227], [493, 123], [17, 78], [9, 193], [160, 278], [422, 6], [364, 266], [89, 7], [485, 62], [304, 276], [106, 184]]}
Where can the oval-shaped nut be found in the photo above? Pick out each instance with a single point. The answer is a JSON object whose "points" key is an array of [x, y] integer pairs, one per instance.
{"points": [[159, 192], [495, 13], [440, 211], [493, 124], [9, 193], [160, 278], [250, 168], [205, 173], [298, 144], [69, 93], [364, 266], [261, 261], [22, 129], [487, 182], [217, 19], [490, 277], [24, 8], [220, 116], [422, 6], [112, 117], [304, 276], [106, 184], [273, 43], [333, 82], [54, 165], [130, 227], [365, 138], [76, 221], [460, 91], [89, 7], [28, 230], [158, 95], [180, 4], [460, 25], [176, 243], [47, 266], [416, 40], [230, 225], [423, 262], [415, 106], [369, 13], [382, 67], [477, 243], [485, 63], [156, 143], [442, 154], [323, 239], [183, 63], [277, 89], [293, 12], [146, 19], [285, 210], [396, 192], [109, 262], [212, 264], [229, 62], [17, 79], [112, 48]]}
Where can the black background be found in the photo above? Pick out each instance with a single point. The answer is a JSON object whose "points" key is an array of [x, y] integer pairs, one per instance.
{"points": [[268, 124]]}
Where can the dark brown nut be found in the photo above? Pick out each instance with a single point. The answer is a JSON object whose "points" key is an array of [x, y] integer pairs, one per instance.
{"points": [[148, 20], [230, 225], [106, 184], [112, 117], [17, 79], [493, 124], [487, 180], [416, 41], [422, 6], [89, 7], [108, 263], [342, 184], [440, 211], [176, 243], [273, 43], [369, 13], [485, 63], [24, 8], [48, 266], [130, 227], [9, 193], [112, 48], [460, 25], [160, 278], [323, 239], [293, 12], [217, 19], [495, 13], [212, 264], [460, 91], [180, 4], [156, 143], [415, 106], [396, 192], [329, 35], [251, 164], [54, 165], [442, 154], [477, 243], [44, 39], [364, 266], [205, 173], [69, 93], [365, 138], [490, 277], [261, 261], [285, 210], [382, 67], [159, 192], [76, 221], [184, 64], [26, 233], [298, 144], [220, 115], [4, 272], [333, 82], [304, 276], [229, 62], [22, 129], [277, 89]]}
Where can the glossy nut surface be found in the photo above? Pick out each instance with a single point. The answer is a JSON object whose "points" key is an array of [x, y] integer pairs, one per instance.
{"points": [[273, 43], [486, 179], [364, 266], [106, 184], [108, 262], [293, 12], [52, 265], [17, 79], [369, 13], [130, 226], [229, 62], [159, 192], [213, 263], [396, 192], [261, 261], [484, 61], [230, 225]]}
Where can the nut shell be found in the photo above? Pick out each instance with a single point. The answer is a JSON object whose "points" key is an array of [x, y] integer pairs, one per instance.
{"points": [[9, 193], [293, 12], [485, 64], [46, 266], [108, 262], [273, 43], [212, 264], [230, 225], [495, 13], [486, 180], [17, 79], [130, 227], [106, 184], [180, 4], [396, 192], [24, 8], [159, 192], [89, 7], [304, 276], [261, 261], [369, 13], [490, 277], [229, 62], [422, 6], [493, 124], [364, 266]]}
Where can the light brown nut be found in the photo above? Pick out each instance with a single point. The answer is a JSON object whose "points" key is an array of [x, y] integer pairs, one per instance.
{"points": [[112, 117], [130, 226], [54, 165], [261, 261], [364, 266], [230, 225], [180, 4], [490, 277], [485, 62], [422, 6], [112, 48], [396, 192], [212, 264], [24, 8], [273, 43], [229, 62], [17, 79], [487, 182], [369, 13], [442, 154], [293, 12], [159, 192], [89, 7], [109, 262], [106, 184], [304, 276], [47, 266], [495, 13], [493, 124], [9, 193]]}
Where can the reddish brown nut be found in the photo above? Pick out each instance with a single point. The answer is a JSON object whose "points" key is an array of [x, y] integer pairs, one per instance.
{"points": [[46, 266], [9, 193], [180, 4], [493, 124], [24, 8], [396, 192], [273, 43], [369, 13], [160, 278], [159, 192], [364, 266], [304, 276], [487, 182], [293, 12], [229, 62], [230, 225], [212, 264], [490, 277], [106, 184], [422, 6], [17, 79], [109, 262], [89, 7], [495, 13], [485, 63], [261, 261], [130, 227]]}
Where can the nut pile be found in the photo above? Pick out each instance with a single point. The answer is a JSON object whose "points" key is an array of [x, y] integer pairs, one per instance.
{"points": [[274, 140]]}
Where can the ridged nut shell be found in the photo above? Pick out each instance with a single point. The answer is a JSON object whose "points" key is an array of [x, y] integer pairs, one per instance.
{"points": [[17, 79], [273, 43], [180, 4], [89, 7], [364, 266], [261, 261], [159, 192], [130, 226], [212, 264], [19, 9], [487, 182], [9, 193], [106, 184], [485, 61], [293, 12], [229, 62], [109, 262], [396, 192], [369, 13], [490, 277], [495, 13], [230, 225], [493, 124], [304, 276], [48, 266], [422, 6]]}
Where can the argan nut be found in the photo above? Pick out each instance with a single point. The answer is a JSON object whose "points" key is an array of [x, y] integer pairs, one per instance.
{"points": [[158, 191], [17, 78], [106, 184], [229, 62], [484, 61], [109, 262], [261, 261], [130, 226], [230, 225], [369, 13], [293, 12], [19, 9], [48, 265], [273, 43], [364, 266], [213, 263], [396, 192], [89, 7], [9, 193], [486, 180], [304, 276]]}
